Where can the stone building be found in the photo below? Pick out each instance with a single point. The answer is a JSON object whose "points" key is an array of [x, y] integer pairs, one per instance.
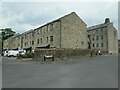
{"points": [[103, 37], [12, 43], [69, 31], [27, 40]]}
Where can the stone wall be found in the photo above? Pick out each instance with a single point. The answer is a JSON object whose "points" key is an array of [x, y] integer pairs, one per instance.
{"points": [[68, 31], [45, 33], [60, 54], [104, 37], [27, 39], [73, 32], [13, 42], [112, 39]]}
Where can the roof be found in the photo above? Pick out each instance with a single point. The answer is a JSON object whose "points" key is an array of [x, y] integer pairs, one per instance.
{"points": [[54, 20], [27, 47], [58, 20], [98, 26], [43, 46], [16, 35], [27, 32]]}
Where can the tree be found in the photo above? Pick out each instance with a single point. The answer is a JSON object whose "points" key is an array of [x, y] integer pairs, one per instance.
{"points": [[5, 34]]}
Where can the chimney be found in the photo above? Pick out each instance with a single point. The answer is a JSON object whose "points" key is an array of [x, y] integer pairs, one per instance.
{"points": [[107, 20]]}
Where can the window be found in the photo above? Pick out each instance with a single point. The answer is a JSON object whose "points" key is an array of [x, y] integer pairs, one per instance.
{"points": [[97, 38], [88, 35], [93, 45], [25, 43], [32, 42], [32, 34], [51, 38], [101, 44], [41, 40], [101, 37], [101, 30], [96, 31], [38, 31], [93, 38], [47, 39], [97, 45], [37, 41]]}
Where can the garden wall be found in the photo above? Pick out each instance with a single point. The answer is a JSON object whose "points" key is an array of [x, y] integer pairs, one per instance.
{"points": [[60, 54]]}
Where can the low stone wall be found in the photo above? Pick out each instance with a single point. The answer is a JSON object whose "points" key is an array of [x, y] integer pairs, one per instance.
{"points": [[60, 54]]}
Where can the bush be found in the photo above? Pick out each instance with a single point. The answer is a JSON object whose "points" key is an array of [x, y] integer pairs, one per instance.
{"points": [[27, 55]]}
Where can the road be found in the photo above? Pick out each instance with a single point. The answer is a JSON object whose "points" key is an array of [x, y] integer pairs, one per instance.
{"points": [[96, 72]]}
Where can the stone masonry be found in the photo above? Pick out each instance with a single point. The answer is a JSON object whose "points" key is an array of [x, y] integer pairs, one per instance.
{"points": [[69, 31]]}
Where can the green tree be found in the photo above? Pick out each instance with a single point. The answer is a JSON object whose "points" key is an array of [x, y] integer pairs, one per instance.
{"points": [[5, 34]]}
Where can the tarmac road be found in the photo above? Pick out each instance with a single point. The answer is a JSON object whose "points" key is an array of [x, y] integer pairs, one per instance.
{"points": [[96, 72]]}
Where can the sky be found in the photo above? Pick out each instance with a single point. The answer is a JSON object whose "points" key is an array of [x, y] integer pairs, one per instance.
{"points": [[22, 15]]}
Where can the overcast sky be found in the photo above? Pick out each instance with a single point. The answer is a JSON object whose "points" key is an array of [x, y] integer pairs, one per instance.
{"points": [[23, 16]]}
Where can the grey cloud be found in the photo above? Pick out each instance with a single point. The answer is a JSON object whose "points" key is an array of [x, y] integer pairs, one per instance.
{"points": [[23, 16]]}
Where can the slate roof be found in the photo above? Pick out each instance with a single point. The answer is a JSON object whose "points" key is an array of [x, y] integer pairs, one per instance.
{"points": [[98, 26]]}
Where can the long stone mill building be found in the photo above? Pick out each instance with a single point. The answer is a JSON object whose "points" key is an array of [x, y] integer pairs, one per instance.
{"points": [[69, 31], [103, 37]]}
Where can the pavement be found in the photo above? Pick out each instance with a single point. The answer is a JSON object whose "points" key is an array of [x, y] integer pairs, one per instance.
{"points": [[95, 72]]}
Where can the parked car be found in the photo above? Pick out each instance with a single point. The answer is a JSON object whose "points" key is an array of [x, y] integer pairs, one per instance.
{"points": [[13, 53]]}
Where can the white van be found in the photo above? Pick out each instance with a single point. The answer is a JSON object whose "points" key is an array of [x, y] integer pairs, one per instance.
{"points": [[12, 53], [6, 53]]}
